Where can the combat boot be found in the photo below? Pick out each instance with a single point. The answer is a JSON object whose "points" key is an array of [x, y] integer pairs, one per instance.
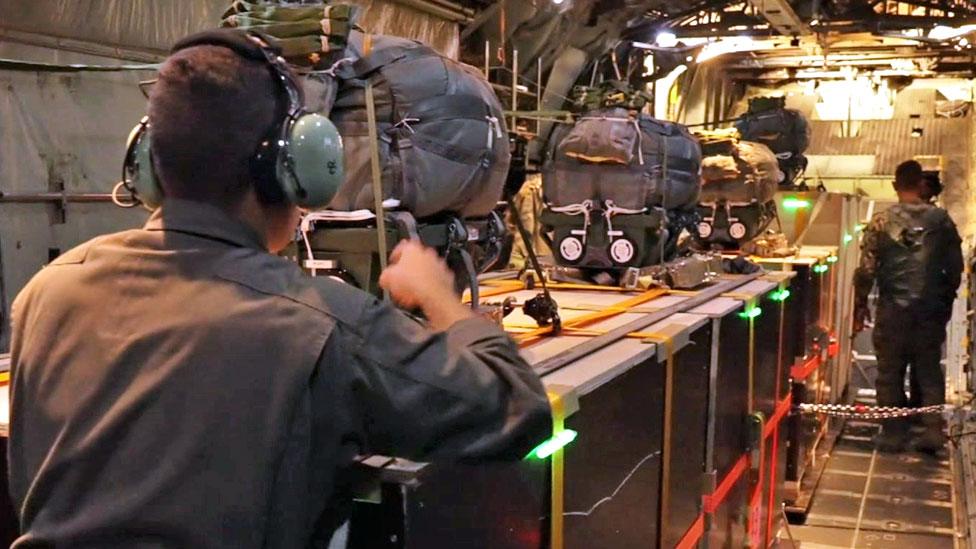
{"points": [[893, 436], [933, 439]]}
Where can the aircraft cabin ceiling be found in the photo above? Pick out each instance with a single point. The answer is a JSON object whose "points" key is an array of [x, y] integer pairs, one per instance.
{"points": [[916, 36]]}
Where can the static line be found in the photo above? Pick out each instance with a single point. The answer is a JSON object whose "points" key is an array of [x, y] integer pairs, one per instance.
{"points": [[616, 491]]}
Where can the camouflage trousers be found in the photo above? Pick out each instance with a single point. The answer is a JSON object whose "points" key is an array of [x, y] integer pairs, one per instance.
{"points": [[906, 338]]}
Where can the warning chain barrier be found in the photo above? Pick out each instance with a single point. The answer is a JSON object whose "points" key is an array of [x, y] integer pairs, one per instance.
{"points": [[863, 411], [711, 502]]}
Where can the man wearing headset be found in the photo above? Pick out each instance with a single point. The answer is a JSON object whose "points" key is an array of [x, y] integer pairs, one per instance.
{"points": [[180, 386]]}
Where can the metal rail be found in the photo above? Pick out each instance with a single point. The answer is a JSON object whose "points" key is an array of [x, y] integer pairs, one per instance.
{"points": [[60, 198], [441, 8]]}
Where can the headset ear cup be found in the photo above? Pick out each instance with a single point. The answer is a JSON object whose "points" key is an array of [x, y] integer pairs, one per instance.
{"points": [[264, 168], [138, 173], [310, 167]]}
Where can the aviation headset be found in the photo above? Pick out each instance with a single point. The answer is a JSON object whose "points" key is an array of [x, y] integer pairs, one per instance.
{"points": [[299, 159]]}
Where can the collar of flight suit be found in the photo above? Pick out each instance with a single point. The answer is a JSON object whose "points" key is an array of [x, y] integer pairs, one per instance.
{"points": [[205, 221]]}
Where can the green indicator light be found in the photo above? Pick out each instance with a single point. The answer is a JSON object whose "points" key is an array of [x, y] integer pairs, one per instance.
{"points": [[553, 445], [859, 227], [820, 269], [848, 238], [781, 295], [795, 203], [751, 313], [833, 259]]}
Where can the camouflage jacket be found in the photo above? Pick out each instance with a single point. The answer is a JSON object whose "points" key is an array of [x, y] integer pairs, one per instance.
{"points": [[914, 253]]}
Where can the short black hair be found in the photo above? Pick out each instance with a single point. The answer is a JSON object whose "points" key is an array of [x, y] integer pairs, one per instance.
{"points": [[908, 176], [208, 111]]}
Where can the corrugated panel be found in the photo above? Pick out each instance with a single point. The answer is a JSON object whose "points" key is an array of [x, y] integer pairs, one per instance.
{"points": [[150, 27], [911, 101], [891, 141]]}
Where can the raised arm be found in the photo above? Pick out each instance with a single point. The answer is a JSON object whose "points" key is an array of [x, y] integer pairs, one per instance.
{"points": [[454, 388]]}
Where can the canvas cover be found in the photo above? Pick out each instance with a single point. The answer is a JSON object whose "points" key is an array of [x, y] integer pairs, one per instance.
{"points": [[443, 144], [744, 172], [785, 131], [633, 161]]}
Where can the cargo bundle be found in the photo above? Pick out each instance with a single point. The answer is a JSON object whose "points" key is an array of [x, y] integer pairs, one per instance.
{"points": [[785, 131], [619, 188], [433, 126], [737, 203]]}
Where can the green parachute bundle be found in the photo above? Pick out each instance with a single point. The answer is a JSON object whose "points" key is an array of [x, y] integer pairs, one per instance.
{"points": [[611, 94], [303, 32]]}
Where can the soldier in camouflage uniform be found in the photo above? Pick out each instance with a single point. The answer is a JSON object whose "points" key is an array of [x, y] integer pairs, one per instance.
{"points": [[931, 189], [913, 251], [528, 203]]}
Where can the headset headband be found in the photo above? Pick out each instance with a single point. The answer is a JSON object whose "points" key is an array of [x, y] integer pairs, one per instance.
{"points": [[300, 157]]}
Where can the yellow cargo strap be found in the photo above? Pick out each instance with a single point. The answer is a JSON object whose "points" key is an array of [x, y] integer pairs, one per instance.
{"points": [[562, 286], [557, 468], [748, 298], [749, 303], [528, 338], [668, 342]]}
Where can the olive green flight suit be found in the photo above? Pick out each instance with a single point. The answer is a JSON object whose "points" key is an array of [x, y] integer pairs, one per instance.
{"points": [[179, 386]]}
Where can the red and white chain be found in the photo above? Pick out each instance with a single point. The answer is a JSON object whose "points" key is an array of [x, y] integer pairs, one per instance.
{"points": [[863, 411]]}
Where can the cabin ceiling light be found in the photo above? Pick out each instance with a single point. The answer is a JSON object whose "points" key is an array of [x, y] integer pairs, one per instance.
{"points": [[667, 39], [942, 32], [724, 46]]}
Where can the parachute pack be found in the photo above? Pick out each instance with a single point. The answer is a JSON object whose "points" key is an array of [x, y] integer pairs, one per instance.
{"points": [[610, 94], [785, 131], [440, 140], [619, 187], [737, 200], [443, 144]]}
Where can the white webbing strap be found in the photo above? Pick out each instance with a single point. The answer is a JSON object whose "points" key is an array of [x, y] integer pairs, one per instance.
{"points": [[583, 208], [494, 131], [610, 209]]}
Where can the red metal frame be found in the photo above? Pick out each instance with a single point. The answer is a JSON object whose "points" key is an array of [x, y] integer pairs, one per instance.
{"points": [[711, 502]]}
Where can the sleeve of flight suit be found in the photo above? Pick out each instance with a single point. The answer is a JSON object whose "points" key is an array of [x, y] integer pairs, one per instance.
{"points": [[463, 393], [867, 270]]}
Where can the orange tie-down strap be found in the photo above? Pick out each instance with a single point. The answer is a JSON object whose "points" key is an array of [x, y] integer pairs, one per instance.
{"points": [[533, 336], [711, 502], [493, 288]]}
